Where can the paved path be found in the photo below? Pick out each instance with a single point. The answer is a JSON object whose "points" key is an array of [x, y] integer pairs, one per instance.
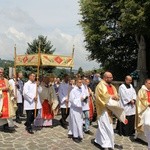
{"points": [[56, 139]]}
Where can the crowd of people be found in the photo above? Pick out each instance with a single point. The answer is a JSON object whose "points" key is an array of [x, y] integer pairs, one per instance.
{"points": [[76, 99]]}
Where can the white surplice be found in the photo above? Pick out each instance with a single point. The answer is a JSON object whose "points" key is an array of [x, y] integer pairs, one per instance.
{"points": [[105, 133], [63, 93], [18, 93], [29, 92], [85, 105], [126, 95], [75, 117]]}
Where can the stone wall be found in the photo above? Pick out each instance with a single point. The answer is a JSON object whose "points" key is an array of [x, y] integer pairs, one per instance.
{"points": [[117, 83]]}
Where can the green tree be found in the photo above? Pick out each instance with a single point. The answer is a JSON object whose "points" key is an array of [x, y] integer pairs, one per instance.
{"points": [[6, 64], [114, 31], [45, 45], [46, 48], [80, 71], [135, 19], [61, 73]]}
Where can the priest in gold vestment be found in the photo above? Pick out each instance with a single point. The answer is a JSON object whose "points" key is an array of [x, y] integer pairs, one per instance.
{"points": [[104, 92], [142, 104]]}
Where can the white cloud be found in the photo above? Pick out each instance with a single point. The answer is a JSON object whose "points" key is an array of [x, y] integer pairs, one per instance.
{"points": [[64, 44], [13, 33]]}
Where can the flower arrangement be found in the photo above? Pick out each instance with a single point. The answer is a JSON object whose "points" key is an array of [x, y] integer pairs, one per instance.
{"points": [[135, 75]]}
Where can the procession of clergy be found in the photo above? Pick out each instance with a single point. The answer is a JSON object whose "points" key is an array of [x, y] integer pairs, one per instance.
{"points": [[42, 100]]}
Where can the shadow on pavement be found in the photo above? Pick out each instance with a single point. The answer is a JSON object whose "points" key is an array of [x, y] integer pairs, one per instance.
{"points": [[95, 144], [139, 141], [56, 122]]}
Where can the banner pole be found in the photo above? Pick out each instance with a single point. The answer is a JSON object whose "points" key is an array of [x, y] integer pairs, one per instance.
{"points": [[14, 73], [69, 89], [72, 58], [38, 70], [15, 59]]}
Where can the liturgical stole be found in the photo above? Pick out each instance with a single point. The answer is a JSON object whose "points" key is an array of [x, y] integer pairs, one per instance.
{"points": [[110, 89]]}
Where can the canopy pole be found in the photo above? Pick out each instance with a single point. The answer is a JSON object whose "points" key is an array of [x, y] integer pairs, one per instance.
{"points": [[72, 58], [38, 71]]}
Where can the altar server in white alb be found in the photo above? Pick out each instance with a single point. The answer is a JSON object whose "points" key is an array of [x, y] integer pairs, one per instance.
{"points": [[127, 100], [85, 106], [30, 97], [63, 93], [75, 118], [17, 86]]}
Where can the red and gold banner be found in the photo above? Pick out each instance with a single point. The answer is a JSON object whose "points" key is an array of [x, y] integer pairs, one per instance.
{"points": [[27, 60], [46, 60], [56, 60]]}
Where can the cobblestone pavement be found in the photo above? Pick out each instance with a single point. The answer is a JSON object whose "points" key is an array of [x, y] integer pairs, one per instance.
{"points": [[56, 139]]}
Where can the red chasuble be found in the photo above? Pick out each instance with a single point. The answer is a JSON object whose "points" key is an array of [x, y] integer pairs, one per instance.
{"points": [[5, 108], [47, 112]]}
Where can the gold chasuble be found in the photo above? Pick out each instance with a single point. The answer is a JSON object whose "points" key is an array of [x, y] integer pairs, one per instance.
{"points": [[142, 103], [103, 93]]}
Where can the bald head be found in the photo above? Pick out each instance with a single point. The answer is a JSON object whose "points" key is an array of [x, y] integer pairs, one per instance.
{"points": [[108, 77], [106, 74], [128, 79], [147, 83]]}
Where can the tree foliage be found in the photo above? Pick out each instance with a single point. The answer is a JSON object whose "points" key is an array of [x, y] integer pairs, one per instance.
{"points": [[45, 45], [80, 71], [46, 48], [6, 64], [60, 72], [110, 27]]}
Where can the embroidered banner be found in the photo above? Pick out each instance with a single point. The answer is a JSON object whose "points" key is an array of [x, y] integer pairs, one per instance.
{"points": [[56, 60], [27, 60], [46, 60]]}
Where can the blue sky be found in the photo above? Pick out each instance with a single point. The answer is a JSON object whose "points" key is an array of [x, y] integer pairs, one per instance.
{"points": [[23, 20]]}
